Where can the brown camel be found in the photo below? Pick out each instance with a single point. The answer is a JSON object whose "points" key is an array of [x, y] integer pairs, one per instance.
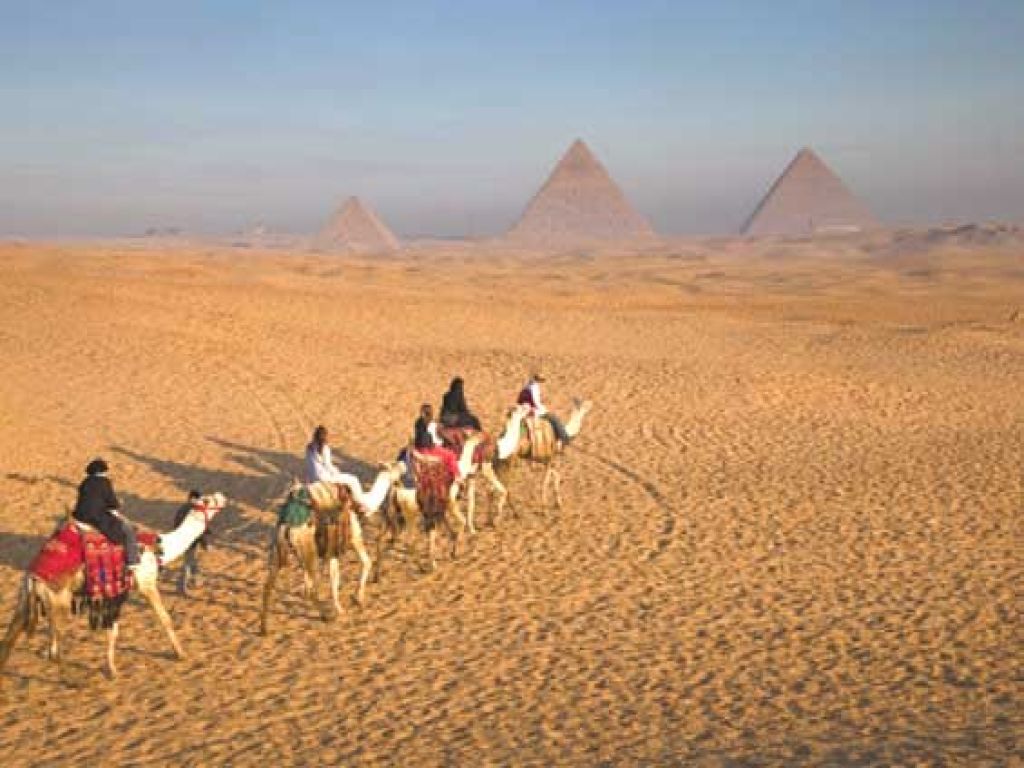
{"points": [[54, 599], [541, 446]]}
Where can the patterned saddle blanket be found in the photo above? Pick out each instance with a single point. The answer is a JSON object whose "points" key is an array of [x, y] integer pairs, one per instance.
{"points": [[433, 486], [106, 575]]}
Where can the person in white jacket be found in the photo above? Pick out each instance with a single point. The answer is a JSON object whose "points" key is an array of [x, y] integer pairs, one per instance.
{"points": [[530, 395], [319, 465]]}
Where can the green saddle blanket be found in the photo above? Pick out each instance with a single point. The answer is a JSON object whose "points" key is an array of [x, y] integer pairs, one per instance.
{"points": [[296, 509]]}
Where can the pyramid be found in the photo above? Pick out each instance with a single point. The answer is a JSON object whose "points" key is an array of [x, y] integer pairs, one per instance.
{"points": [[354, 227], [579, 203], [808, 198]]}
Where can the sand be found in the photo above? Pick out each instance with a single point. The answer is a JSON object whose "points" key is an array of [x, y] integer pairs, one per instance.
{"points": [[792, 531]]}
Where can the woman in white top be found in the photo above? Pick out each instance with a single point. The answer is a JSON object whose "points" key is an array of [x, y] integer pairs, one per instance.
{"points": [[319, 466]]}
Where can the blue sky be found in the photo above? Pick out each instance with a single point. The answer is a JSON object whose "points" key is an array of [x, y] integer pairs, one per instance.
{"points": [[446, 117]]}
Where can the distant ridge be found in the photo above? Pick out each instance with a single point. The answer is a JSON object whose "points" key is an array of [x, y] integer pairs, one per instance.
{"points": [[579, 202], [808, 198], [355, 227]]}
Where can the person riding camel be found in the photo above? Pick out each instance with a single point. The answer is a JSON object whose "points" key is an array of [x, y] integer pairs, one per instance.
{"points": [[319, 465], [189, 575], [454, 411], [98, 506], [426, 441], [530, 395]]}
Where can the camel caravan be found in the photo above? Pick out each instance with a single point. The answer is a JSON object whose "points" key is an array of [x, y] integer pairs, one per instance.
{"points": [[96, 559]]}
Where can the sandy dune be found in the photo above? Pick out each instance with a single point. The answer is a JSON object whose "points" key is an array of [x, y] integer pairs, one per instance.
{"points": [[793, 530]]}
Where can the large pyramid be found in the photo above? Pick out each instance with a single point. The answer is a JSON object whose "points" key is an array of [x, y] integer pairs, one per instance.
{"points": [[354, 227], [808, 198], [579, 203]]}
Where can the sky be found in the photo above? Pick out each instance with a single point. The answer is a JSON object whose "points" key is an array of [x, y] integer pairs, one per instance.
{"points": [[447, 116]]}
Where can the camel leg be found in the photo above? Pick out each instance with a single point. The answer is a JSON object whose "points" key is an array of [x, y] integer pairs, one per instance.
{"points": [[556, 479], [381, 549], [548, 474], [268, 591], [454, 531], [111, 647], [364, 560], [54, 651], [19, 623], [499, 488], [152, 596], [334, 568], [59, 613], [471, 505], [431, 537], [311, 575]]}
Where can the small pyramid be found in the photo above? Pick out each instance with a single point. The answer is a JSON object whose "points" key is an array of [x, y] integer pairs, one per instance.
{"points": [[578, 203], [355, 227], [808, 198]]}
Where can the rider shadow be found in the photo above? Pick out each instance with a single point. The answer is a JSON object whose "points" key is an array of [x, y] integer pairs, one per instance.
{"points": [[231, 527], [289, 465]]}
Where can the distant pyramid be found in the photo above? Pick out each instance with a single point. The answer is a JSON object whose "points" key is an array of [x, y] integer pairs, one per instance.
{"points": [[579, 202], [808, 198], [354, 227]]}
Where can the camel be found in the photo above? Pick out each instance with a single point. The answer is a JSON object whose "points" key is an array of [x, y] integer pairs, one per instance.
{"points": [[505, 447], [54, 600], [337, 506], [541, 446], [404, 505]]}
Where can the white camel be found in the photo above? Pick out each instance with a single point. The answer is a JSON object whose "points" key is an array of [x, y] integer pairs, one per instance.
{"points": [[506, 446], [343, 501], [54, 601]]}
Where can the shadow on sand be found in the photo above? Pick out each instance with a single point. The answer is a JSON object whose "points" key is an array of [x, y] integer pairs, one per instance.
{"points": [[260, 482]]}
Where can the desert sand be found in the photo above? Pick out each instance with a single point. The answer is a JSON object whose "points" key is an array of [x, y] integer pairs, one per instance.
{"points": [[793, 520]]}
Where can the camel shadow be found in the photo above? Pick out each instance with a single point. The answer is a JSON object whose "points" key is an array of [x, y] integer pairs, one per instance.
{"points": [[261, 479], [18, 549]]}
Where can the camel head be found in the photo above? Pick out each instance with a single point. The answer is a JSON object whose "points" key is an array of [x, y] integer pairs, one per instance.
{"points": [[210, 504], [581, 406], [394, 470]]}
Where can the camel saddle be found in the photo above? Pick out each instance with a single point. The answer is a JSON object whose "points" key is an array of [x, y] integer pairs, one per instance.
{"points": [[540, 436], [74, 543], [323, 504], [433, 486], [454, 438]]}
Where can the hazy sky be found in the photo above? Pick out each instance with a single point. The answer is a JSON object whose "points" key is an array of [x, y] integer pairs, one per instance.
{"points": [[446, 116]]}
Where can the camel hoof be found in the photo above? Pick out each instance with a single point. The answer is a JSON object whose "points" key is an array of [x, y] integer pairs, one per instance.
{"points": [[111, 672]]}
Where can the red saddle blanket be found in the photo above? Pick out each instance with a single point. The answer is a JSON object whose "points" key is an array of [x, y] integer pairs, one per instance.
{"points": [[105, 573], [455, 438], [432, 476]]}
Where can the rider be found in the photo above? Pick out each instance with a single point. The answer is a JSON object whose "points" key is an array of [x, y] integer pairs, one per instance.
{"points": [[99, 507], [530, 395], [319, 466], [189, 576], [454, 411], [426, 441]]}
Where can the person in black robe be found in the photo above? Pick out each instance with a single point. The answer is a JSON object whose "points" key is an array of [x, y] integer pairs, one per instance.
{"points": [[454, 411], [98, 506]]}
